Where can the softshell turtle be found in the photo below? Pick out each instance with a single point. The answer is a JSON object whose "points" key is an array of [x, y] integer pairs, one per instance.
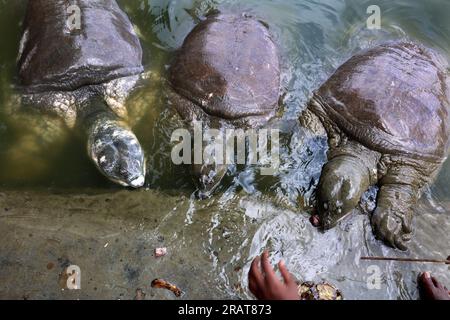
{"points": [[386, 114], [84, 75], [226, 74]]}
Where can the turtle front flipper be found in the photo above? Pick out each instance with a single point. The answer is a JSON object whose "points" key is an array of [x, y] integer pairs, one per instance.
{"points": [[400, 189], [112, 146], [53, 103]]}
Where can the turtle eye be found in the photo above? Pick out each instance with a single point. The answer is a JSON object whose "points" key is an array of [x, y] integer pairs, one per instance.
{"points": [[106, 159]]}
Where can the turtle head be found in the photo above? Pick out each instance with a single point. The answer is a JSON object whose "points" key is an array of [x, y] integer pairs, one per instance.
{"points": [[343, 181], [117, 153]]}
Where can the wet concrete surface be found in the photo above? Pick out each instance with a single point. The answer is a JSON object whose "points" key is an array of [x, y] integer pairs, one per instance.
{"points": [[111, 237]]}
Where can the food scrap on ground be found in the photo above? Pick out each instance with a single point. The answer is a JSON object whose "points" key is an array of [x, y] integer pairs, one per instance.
{"points": [[321, 291], [162, 284], [160, 252]]}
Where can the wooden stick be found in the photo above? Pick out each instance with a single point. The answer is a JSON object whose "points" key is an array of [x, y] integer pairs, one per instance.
{"points": [[406, 260]]}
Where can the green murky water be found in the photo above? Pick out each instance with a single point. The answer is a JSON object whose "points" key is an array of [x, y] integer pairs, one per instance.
{"points": [[249, 212]]}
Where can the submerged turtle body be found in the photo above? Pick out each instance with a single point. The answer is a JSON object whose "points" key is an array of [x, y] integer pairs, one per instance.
{"points": [[84, 76], [386, 112], [227, 73]]}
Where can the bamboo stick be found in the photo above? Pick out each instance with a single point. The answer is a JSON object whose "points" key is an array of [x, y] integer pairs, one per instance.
{"points": [[407, 260]]}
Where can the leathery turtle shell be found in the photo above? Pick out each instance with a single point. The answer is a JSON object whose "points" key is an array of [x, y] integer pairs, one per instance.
{"points": [[70, 59], [229, 67], [393, 98]]}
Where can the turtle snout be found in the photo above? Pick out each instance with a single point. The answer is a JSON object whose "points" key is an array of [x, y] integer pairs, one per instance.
{"points": [[330, 213], [132, 172], [328, 223], [118, 155], [138, 181]]}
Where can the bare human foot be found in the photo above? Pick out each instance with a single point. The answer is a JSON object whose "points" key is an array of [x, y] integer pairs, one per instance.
{"points": [[431, 289]]}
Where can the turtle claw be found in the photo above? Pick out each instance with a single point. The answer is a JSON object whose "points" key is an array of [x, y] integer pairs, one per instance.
{"points": [[393, 228]]}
